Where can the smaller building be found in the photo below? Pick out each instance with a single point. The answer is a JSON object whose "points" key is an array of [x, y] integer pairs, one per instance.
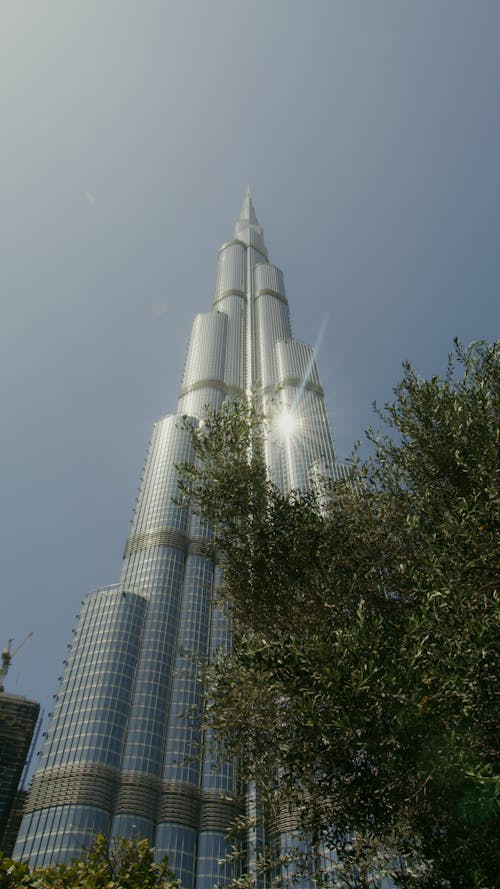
{"points": [[18, 718]]}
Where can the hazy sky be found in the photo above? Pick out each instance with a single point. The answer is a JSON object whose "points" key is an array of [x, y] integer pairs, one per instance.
{"points": [[370, 135]]}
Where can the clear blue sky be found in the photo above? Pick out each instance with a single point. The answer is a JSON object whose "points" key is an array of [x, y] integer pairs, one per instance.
{"points": [[370, 135]]}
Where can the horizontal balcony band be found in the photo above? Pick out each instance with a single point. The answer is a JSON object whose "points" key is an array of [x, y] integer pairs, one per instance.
{"points": [[180, 804], [198, 546], [90, 784], [155, 537], [212, 384], [217, 814], [285, 821], [139, 795], [244, 244], [233, 291], [267, 291], [307, 385], [133, 793], [173, 802], [275, 388], [166, 537]]}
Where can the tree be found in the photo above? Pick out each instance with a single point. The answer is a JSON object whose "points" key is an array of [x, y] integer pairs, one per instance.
{"points": [[126, 864], [359, 688], [13, 873]]}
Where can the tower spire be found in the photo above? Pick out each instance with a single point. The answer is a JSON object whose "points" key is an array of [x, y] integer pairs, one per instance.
{"points": [[248, 228], [248, 213]]}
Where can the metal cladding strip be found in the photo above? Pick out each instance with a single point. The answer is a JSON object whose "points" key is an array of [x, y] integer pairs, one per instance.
{"points": [[74, 784]]}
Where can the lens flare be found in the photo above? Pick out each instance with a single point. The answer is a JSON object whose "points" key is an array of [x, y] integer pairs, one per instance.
{"points": [[287, 423]]}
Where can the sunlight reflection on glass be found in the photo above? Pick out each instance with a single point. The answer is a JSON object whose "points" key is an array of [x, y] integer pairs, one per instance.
{"points": [[287, 423]]}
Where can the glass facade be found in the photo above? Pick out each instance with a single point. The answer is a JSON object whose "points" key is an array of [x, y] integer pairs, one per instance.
{"points": [[122, 754]]}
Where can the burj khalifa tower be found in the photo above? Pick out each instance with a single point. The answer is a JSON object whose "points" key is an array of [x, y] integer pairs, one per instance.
{"points": [[122, 754]]}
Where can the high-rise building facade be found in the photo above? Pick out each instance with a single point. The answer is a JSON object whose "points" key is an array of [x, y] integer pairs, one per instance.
{"points": [[122, 756], [18, 718]]}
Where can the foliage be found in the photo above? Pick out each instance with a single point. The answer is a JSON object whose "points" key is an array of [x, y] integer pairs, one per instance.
{"points": [[127, 864], [359, 689], [13, 873]]}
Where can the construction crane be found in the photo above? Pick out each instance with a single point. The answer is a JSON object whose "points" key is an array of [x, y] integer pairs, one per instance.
{"points": [[7, 655]]}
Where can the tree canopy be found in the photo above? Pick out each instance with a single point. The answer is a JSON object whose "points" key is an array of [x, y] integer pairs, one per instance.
{"points": [[126, 864], [359, 691]]}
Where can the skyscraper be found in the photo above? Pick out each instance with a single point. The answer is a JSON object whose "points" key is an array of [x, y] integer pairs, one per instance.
{"points": [[121, 756], [18, 718]]}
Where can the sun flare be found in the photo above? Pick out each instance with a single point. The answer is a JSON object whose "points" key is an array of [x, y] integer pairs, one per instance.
{"points": [[287, 423]]}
